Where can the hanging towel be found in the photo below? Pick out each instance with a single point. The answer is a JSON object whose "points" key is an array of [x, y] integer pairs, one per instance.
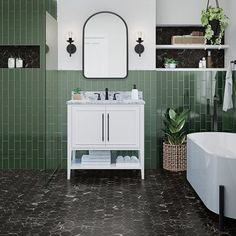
{"points": [[228, 101]]}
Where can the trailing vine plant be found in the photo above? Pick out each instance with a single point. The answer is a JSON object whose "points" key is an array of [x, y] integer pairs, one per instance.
{"points": [[216, 15]]}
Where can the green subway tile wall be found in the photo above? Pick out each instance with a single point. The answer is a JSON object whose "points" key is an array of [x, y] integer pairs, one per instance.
{"points": [[161, 90], [22, 116], [22, 91]]}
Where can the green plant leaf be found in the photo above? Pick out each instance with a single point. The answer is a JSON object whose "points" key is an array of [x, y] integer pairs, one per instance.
{"points": [[172, 114], [174, 124], [214, 13], [76, 91], [178, 128], [182, 116]]}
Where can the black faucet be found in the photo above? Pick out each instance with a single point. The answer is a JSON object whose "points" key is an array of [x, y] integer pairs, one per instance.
{"points": [[114, 96], [99, 96], [106, 94], [215, 115]]}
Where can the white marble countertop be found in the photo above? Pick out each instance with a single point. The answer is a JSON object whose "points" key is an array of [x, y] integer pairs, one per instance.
{"points": [[107, 102], [122, 98]]}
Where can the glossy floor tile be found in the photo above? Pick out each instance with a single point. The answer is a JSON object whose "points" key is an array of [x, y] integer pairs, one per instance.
{"points": [[103, 203]]}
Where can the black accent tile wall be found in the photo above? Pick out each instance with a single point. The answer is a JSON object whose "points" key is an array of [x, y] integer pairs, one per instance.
{"points": [[189, 58], [164, 33], [186, 58], [29, 54]]}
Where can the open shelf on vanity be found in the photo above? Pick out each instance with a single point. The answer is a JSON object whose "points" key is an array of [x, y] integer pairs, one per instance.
{"points": [[76, 165]]}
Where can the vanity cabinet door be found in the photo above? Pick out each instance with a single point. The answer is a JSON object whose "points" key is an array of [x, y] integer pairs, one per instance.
{"points": [[122, 126], [88, 124]]}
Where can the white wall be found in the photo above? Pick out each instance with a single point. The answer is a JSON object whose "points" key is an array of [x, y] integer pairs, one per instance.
{"points": [[182, 12], [139, 15], [188, 12], [51, 42], [231, 33]]}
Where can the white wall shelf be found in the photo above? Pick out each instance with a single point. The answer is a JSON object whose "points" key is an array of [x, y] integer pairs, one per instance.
{"points": [[192, 46], [192, 69]]}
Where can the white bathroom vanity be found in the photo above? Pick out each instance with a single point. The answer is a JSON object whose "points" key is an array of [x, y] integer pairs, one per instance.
{"points": [[105, 125]]}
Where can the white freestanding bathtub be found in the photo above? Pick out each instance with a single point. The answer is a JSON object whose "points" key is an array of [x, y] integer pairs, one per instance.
{"points": [[211, 162]]}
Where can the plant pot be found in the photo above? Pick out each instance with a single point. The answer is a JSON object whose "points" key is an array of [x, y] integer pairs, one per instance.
{"points": [[172, 66], [215, 26], [76, 97], [174, 157]]}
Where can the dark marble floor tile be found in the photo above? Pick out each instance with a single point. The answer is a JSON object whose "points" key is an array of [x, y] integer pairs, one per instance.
{"points": [[103, 203]]}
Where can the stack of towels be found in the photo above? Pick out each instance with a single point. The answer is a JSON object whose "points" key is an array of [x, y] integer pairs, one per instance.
{"points": [[133, 160], [97, 158]]}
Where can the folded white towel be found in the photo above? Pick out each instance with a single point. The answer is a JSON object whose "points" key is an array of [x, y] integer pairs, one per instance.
{"points": [[134, 159], [228, 101], [120, 159], [100, 153], [127, 159], [95, 159]]}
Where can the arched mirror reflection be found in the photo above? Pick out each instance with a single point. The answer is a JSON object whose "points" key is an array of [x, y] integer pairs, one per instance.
{"points": [[105, 47]]}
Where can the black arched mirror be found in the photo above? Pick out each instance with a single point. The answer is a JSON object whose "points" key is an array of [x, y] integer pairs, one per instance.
{"points": [[105, 47]]}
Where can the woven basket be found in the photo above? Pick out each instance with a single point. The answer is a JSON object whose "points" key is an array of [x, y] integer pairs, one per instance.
{"points": [[174, 157]]}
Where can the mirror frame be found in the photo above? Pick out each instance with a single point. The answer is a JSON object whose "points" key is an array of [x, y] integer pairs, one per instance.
{"points": [[127, 44]]}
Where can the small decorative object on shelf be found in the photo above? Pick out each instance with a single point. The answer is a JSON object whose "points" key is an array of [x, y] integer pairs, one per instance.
{"points": [[215, 22], [11, 62], [170, 63], [174, 146], [19, 62], [76, 94], [187, 39]]}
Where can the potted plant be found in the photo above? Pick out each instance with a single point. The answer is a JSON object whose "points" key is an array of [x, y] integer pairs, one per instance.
{"points": [[215, 22], [170, 63], [174, 145], [76, 94]]}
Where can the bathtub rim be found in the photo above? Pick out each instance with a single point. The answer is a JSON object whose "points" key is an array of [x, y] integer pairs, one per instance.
{"points": [[190, 136]]}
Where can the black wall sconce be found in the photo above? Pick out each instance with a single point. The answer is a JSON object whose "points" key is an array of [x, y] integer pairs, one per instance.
{"points": [[139, 48], [71, 48]]}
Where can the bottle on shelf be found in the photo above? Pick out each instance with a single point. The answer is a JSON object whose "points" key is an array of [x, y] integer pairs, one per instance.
{"points": [[11, 62], [200, 64], [204, 62], [209, 60], [19, 62]]}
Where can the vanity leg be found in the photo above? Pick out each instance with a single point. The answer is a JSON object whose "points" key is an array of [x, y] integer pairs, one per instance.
{"points": [[68, 173], [142, 173], [69, 164], [141, 159], [221, 207], [73, 154]]}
